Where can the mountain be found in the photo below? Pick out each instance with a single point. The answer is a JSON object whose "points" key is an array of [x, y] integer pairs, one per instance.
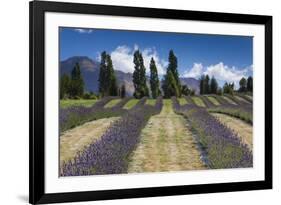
{"points": [[191, 83], [90, 72]]}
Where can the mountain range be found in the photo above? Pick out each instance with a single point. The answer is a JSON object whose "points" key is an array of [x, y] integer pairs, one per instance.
{"points": [[90, 72]]}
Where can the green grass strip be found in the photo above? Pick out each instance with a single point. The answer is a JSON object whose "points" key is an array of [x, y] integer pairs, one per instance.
{"points": [[131, 104], [213, 100], [80, 102], [150, 102], [229, 100], [182, 101], [198, 101], [112, 103]]}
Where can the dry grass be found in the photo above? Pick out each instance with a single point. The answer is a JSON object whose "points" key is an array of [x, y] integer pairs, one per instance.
{"points": [[76, 139], [166, 145], [242, 129]]}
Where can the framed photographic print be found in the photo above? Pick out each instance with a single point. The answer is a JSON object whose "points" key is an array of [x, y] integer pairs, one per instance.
{"points": [[140, 102]]}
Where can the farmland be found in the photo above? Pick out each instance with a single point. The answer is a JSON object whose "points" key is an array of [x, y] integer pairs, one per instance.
{"points": [[116, 135]]}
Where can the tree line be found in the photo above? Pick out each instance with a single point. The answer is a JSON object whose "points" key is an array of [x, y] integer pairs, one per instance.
{"points": [[210, 86], [171, 85], [73, 86]]}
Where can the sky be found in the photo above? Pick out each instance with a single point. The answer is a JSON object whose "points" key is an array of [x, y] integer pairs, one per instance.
{"points": [[227, 58]]}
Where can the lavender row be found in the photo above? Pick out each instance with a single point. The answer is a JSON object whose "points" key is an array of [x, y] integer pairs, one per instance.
{"points": [[110, 154], [223, 148]]}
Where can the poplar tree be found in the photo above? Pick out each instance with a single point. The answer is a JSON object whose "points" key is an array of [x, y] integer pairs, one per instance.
{"points": [[250, 84], [123, 91], [139, 78], [77, 83], [111, 78], [173, 65], [202, 85], [206, 85], [213, 86], [154, 80], [171, 83], [107, 79], [102, 75], [64, 86], [243, 85]]}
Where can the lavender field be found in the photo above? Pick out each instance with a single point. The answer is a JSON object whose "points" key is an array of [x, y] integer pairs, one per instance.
{"points": [[126, 135]]}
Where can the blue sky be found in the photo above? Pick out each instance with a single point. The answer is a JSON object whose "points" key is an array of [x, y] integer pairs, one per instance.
{"points": [[228, 58]]}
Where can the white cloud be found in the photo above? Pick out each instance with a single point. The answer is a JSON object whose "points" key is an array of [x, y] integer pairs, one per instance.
{"points": [[123, 56], [122, 59], [223, 73], [79, 30], [195, 72]]}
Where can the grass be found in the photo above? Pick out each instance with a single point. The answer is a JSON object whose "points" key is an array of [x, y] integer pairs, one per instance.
{"points": [[131, 104], [112, 103], [241, 99], [198, 101], [234, 112], [249, 96], [75, 140], [182, 101], [150, 102], [213, 100], [229, 100], [80, 102], [242, 129], [166, 144]]}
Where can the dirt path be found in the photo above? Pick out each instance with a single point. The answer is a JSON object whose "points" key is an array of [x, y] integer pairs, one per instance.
{"points": [[242, 129], [166, 145], [76, 139]]}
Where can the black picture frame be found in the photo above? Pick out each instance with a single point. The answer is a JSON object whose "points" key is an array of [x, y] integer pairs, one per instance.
{"points": [[37, 128]]}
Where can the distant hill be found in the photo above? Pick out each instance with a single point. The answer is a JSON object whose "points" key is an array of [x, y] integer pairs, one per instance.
{"points": [[90, 71], [191, 83]]}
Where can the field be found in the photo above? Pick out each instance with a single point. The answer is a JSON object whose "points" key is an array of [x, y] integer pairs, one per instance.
{"points": [[126, 135], [80, 102]]}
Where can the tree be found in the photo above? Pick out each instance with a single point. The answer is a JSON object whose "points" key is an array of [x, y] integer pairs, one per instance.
{"points": [[107, 79], [202, 85], [103, 84], [170, 86], [154, 80], [250, 84], [65, 84], [171, 79], [213, 86], [113, 89], [228, 88], [207, 85], [173, 65], [185, 90], [219, 92], [123, 91], [139, 78], [192, 92], [77, 83], [243, 85]]}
